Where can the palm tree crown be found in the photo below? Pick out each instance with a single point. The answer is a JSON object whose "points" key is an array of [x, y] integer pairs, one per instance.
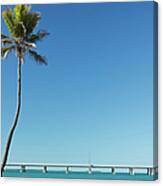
{"points": [[21, 23]]}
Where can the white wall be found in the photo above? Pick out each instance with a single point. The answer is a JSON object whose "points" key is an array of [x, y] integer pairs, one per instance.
{"points": [[45, 182]]}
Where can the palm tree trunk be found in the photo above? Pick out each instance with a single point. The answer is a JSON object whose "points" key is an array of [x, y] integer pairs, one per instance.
{"points": [[12, 130]]}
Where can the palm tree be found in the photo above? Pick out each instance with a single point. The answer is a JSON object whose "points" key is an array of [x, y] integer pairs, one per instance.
{"points": [[21, 23]]}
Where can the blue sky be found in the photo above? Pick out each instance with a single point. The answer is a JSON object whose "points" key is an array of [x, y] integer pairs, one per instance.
{"points": [[94, 100]]}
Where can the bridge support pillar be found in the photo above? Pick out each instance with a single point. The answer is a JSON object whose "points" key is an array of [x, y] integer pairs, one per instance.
{"points": [[90, 169], [113, 170], [131, 171], [67, 170], [22, 168], [150, 171], [45, 169]]}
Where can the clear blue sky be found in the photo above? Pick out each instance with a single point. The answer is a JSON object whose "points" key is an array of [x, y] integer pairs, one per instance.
{"points": [[94, 99]]}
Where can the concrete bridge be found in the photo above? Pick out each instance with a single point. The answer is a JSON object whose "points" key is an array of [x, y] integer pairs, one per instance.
{"points": [[112, 169]]}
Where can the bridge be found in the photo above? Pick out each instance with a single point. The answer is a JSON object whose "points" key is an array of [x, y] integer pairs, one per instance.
{"points": [[90, 168]]}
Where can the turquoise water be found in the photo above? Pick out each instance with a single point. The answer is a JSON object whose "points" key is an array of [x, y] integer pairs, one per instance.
{"points": [[77, 175]]}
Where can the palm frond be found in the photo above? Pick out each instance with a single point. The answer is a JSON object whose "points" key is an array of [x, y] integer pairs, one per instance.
{"points": [[6, 50], [29, 44], [37, 57], [3, 36], [20, 11], [20, 20], [37, 37], [6, 41], [30, 21], [9, 19], [19, 30]]}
